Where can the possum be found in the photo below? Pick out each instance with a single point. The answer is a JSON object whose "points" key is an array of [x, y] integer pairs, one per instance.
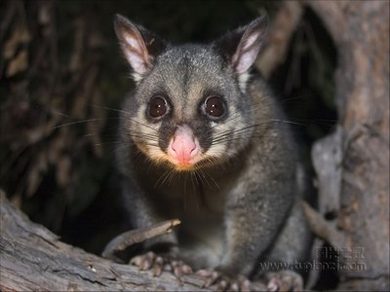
{"points": [[203, 139]]}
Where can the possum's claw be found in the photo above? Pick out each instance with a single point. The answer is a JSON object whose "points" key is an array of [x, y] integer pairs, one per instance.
{"points": [[158, 264], [180, 268], [223, 283], [284, 281], [210, 277], [144, 262]]}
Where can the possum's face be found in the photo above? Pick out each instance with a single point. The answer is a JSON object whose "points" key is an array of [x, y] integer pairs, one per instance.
{"points": [[189, 108]]}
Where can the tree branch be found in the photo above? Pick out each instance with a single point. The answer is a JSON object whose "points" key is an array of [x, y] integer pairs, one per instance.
{"points": [[30, 249], [281, 31]]}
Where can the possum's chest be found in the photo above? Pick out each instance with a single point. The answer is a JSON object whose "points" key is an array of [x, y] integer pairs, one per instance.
{"points": [[195, 204], [189, 197], [199, 203], [201, 212], [201, 233]]}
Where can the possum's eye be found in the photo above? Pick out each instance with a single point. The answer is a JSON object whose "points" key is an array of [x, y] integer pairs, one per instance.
{"points": [[214, 107], [158, 107]]}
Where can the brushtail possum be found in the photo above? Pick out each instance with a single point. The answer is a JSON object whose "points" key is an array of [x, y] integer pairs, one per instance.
{"points": [[203, 140]]}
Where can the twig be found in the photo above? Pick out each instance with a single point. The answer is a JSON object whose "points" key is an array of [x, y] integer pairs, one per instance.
{"points": [[323, 229], [129, 238]]}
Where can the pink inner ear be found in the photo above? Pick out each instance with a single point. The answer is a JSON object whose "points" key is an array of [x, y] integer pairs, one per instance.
{"points": [[131, 41], [247, 53], [251, 40], [136, 62], [136, 53]]}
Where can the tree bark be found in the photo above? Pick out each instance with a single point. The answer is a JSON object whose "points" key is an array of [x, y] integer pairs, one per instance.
{"points": [[360, 32], [33, 258]]}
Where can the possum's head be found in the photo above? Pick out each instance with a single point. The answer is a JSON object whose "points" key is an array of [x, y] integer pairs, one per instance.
{"points": [[190, 107]]}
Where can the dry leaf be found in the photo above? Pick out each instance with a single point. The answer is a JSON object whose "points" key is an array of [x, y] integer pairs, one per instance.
{"points": [[20, 36], [18, 64], [35, 174]]}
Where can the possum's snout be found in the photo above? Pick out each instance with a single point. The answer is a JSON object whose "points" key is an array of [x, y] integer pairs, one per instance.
{"points": [[184, 150]]}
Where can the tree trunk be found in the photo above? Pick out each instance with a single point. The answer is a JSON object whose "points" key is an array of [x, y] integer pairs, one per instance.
{"points": [[360, 30]]}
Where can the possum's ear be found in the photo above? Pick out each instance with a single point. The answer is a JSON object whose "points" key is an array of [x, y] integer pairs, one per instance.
{"points": [[241, 46], [139, 46]]}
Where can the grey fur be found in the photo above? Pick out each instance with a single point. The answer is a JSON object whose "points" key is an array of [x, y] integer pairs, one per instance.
{"points": [[243, 207]]}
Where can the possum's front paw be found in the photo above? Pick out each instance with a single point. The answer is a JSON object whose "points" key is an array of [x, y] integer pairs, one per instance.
{"points": [[284, 281], [159, 263], [221, 282]]}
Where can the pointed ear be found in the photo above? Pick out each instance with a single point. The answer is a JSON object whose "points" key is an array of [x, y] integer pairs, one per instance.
{"points": [[241, 46], [139, 46]]}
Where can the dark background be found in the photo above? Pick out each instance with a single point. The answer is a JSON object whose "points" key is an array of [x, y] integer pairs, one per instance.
{"points": [[62, 80]]}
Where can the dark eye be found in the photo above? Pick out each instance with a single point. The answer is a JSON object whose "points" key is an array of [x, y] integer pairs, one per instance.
{"points": [[158, 107], [214, 107]]}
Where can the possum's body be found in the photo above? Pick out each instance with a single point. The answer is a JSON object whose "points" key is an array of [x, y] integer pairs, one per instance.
{"points": [[204, 141]]}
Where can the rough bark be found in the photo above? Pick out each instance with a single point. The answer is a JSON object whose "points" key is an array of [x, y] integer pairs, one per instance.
{"points": [[33, 258], [360, 32]]}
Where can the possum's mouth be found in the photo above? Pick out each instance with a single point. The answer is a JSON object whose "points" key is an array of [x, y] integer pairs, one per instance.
{"points": [[159, 156], [184, 164], [184, 149], [204, 162]]}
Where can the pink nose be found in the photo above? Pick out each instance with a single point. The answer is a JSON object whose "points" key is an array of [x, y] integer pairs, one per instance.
{"points": [[183, 146]]}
